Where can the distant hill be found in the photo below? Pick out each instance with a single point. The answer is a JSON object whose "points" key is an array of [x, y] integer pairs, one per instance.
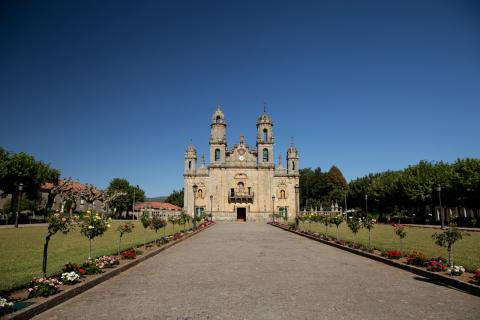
{"points": [[161, 199]]}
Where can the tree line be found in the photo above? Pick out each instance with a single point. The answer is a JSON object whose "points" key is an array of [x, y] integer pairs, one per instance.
{"points": [[411, 192]]}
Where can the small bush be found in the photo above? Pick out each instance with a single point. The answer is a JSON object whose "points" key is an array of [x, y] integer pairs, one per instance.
{"points": [[91, 267], [436, 264], [129, 254], [43, 287], [392, 254], [416, 258]]}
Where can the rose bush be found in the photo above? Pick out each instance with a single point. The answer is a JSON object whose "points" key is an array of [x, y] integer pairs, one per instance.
{"points": [[5, 306]]}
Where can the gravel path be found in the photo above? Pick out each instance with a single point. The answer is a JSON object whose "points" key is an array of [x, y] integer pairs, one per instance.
{"points": [[255, 271]]}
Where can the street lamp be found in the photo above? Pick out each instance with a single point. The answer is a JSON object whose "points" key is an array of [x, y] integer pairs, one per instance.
{"points": [[211, 208], [20, 189], [273, 208], [195, 188], [297, 192], [366, 205], [442, 218], [133, 206]]}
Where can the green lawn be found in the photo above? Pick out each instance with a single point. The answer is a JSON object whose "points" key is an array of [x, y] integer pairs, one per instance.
{"points": [[466, 251], [22, 250]]}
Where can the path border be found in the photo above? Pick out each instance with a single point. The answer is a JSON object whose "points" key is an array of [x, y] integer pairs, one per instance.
{"points": [[451, 282], [50, 302]]}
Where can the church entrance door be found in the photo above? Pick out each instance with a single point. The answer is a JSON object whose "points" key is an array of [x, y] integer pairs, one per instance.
{"points": [[242, 214]]}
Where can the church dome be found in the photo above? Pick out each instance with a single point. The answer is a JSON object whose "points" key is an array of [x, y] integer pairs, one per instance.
{"points": [[218, 117]]}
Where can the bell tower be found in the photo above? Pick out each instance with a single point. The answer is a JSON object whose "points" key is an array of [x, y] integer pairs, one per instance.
{"points": [[190, 160], [265, 139], [292, 161], [218, 137]]}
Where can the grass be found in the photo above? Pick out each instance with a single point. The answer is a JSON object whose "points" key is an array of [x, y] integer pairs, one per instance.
{"points": [[22, 250], [466, 252]]}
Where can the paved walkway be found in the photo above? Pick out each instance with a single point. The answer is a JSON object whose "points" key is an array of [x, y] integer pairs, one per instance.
{"points": [[255, 271]]}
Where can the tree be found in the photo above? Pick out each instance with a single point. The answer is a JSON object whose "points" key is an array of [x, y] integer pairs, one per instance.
{"points": [[92, 225], [126, 227], [146, 221], [124, 202], [447, 239], [16, 168], [176, 198], [57, 222], [156, 223]]}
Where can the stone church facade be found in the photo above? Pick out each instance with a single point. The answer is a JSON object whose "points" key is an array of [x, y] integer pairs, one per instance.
{"points": [[241, 183]]}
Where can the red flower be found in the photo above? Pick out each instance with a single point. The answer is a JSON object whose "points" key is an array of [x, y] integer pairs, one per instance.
{"points": [[81, 270]]}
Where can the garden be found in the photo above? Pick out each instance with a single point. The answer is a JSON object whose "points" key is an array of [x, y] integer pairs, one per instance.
{"points": [[450, 251], [44, 260]]}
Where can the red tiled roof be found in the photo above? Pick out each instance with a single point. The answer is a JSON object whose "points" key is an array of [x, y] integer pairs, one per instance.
{"points": [[156, 205]]}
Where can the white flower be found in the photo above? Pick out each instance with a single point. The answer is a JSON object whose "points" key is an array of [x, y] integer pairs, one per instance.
{"points": [[70, 276], [5, 304]]}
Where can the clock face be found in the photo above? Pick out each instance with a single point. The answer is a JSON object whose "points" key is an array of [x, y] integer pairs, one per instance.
{"points": [[241, 158]]}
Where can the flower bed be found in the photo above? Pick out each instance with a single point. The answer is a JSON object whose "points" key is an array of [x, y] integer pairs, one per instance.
{"points": [[74, 279], [417, 262]]}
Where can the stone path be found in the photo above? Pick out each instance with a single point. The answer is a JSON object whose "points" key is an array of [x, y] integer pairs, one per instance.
{"points": [[255, 271]]}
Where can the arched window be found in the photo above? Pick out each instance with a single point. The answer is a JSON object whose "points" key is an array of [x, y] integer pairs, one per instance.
{"points": [[189, 165], [265, 135], [265, 155], [293, 165], [282, 194], [217, 154], [218, 120]]}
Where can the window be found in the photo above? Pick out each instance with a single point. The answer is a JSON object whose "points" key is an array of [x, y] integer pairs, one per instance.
{"points": [[217, 154], [200, 194], [293, 165], [232, 192], [218, 120], [189, 165], [265, 135], [265, 155], [282, 194]]}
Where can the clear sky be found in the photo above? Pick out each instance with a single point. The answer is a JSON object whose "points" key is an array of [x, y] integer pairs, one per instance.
{"points": [[104, 89]]}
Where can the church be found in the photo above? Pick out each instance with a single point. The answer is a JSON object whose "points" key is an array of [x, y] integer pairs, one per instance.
{"points": [[241, 183]]}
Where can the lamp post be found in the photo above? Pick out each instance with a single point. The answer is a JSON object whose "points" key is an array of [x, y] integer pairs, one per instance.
{"points": [[345, 195], [82, 204], [442, 217], [17, 213], [273, 208], [366, 205], [133, 206], [297, 192], [211, 208], [195, 188]]}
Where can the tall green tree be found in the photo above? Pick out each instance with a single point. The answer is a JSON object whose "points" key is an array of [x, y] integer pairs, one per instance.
{"points": [[176, 198], [124, 202], [16, 168]]}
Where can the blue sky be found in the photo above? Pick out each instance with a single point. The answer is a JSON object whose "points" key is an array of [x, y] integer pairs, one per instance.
{"points": [[104, 89]]}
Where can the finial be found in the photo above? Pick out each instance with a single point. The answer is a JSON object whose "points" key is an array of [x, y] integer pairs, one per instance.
{"points": [[203, 159], [242, 138], [218, 106], [264, 107], [291, 140]]}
